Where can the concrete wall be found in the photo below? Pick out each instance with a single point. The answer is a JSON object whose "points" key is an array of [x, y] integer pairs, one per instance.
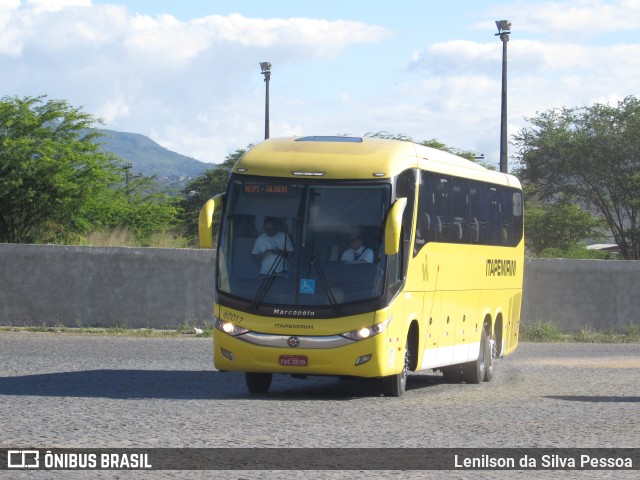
{"points": [[574, 293], [165, 288], [89, 286]]}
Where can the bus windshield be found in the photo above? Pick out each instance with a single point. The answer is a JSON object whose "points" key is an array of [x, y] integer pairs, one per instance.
{"points": [[299, 243]]}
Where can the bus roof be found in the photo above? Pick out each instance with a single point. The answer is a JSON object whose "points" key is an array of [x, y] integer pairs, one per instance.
{"points": [[335, 157]]}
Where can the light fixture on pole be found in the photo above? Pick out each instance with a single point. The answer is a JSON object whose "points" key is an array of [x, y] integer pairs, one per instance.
{"points": [[266, 71], [504, 30]]}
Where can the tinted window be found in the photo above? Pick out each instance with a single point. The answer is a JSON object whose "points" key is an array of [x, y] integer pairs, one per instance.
{"points": [[457, 210]]}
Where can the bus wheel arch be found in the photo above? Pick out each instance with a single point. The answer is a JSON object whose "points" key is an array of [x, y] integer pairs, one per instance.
{"points": [[413, 344]]}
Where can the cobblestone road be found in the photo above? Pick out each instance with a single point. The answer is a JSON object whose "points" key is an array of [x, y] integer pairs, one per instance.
{"points": [[127, 392]]}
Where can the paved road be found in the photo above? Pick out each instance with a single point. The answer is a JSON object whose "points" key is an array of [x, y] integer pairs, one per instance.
{"points": [[119, 392]]}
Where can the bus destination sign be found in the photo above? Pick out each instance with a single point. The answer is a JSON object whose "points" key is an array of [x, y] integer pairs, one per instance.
{"points": [[266, 188]]}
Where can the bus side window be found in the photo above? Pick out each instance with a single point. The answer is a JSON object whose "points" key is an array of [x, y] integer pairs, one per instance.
{"points": [[478, 217], [443, 214], [506, 217], [495, 215], [517, 216], [456, 210], [460, 233], [511, 229]]}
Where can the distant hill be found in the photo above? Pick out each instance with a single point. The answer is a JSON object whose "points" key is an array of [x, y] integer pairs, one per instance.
{"points": [[148, 158]]}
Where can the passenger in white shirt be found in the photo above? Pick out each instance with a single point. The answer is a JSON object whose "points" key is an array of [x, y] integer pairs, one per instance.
{"points": [[357, 253], [272, 248]]}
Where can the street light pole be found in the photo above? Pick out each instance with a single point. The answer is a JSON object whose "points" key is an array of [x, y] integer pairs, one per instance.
{"points": [[504, 30], [266, 71]]}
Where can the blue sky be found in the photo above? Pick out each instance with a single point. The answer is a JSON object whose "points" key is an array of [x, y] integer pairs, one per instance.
{"points": [[186, 73]]}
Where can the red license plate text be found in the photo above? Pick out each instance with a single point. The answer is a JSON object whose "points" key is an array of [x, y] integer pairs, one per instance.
{"points": [[293, 360]]}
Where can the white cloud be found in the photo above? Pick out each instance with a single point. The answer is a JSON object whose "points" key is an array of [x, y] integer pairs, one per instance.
{"points": [[9, 4], [322, 36], [524, 56], [563, 19], [165, 40], [585, 18], [113, 109], [192, 84], [455, 54], [55, 5], [169, 41]]}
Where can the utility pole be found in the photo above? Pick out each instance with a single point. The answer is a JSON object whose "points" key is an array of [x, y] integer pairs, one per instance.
{"points": [[504, 30]]}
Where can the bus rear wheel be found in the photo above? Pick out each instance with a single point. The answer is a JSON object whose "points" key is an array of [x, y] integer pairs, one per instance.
{"points": [[258, 382], [452, 374], [395, 385], [490, 360], [474, 372]]}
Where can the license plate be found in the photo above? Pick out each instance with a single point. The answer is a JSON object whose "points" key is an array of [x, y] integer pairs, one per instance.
{"points": [[293, 360]]}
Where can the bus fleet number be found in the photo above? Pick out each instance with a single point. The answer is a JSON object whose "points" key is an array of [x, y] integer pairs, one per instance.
{"points": [[232, 317]]}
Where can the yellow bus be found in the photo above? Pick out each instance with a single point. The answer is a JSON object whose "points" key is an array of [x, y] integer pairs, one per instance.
{"points": [[364, 257]]}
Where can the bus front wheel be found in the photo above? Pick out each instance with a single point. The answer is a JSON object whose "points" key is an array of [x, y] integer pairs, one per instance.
{"points": [[395, 385], [258, 382]]}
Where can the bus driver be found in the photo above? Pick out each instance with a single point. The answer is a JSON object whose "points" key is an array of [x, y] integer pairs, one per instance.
{"points": [[271, 248], [357, 253]]}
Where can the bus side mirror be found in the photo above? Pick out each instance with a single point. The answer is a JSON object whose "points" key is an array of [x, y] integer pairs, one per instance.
{"points": [[205, 220], [393, 227]]}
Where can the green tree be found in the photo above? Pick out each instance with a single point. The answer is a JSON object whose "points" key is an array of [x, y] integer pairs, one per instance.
{"points": [[591, 156], [56, 184], [50, 167], [205, 186], [134, 205], [560, 226]]}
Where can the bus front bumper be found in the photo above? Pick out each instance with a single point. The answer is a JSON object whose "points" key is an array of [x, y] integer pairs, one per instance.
{"points": [[372, 357]]}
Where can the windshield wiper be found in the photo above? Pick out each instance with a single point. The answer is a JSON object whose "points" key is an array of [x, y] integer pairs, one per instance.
{"points": [[267, 281], [321, 275], [325, 284]]}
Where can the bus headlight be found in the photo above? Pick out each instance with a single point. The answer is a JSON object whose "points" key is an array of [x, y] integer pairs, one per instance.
{"points": [[229, 328], [370, 331]]}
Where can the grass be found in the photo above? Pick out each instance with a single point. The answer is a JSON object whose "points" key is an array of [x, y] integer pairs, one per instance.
{"points": [[123, 237], [114, 331], [540, 331]]}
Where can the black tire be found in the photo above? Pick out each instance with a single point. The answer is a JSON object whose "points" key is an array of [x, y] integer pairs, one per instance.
{"points": [[452, 374], [395, 385], [258, 382], [490, 359], [474, 372]]}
